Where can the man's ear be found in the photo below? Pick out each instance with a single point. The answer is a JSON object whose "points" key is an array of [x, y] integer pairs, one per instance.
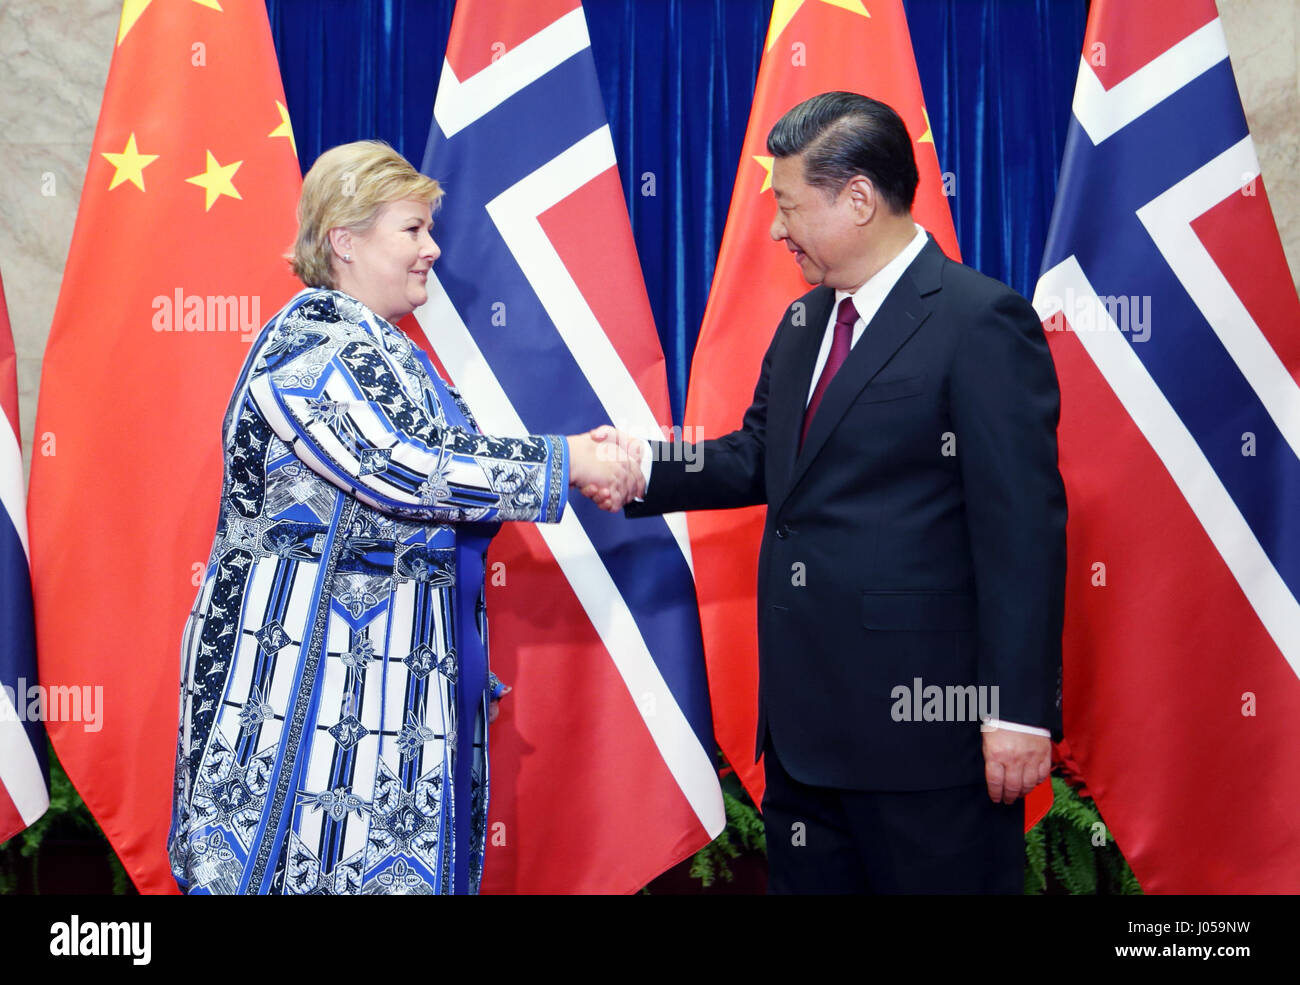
{"points": [[863, 198]]}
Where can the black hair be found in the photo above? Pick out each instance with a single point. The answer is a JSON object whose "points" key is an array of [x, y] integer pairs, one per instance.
{"points": [[843, 134]]}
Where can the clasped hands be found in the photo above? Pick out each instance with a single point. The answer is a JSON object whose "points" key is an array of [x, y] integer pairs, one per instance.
{"points": [[605, 466]]}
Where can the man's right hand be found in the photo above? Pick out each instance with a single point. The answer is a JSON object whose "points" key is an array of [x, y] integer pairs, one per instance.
{"points": [[605, 465]]}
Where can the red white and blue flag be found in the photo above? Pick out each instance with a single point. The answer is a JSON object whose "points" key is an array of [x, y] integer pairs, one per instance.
{"points": [[1175, 327], [24, 784], [602, 763]]}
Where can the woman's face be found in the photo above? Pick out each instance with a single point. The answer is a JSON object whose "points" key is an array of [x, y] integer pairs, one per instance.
{"points": [[390, 261]]}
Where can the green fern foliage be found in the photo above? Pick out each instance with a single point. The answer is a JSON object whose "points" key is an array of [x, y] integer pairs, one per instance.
{"points": [[1072, 851], [743, 833]]}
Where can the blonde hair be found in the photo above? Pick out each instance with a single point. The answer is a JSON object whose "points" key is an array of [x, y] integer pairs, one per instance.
{"points": [[346, 187]]}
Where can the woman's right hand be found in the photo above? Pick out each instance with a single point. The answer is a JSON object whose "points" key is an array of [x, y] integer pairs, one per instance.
{"points": [[605, 466]]}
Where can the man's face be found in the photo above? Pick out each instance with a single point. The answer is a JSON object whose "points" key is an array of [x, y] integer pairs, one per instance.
{"points": [[819, 230]]}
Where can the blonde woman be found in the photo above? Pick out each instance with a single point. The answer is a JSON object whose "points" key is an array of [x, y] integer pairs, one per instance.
{"points": [[335, 690]]}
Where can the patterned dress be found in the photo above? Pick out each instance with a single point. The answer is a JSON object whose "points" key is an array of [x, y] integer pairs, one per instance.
{"points": [[334, 678]]}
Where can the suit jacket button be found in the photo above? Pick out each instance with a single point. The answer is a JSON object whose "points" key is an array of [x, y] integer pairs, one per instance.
{"points": [[783, 531]]}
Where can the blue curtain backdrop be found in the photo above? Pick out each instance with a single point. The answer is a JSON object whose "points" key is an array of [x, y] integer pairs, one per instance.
{"points": [[677, 78]]}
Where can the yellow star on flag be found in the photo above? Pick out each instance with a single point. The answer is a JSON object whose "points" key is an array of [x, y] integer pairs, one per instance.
{"points": [[783, 12], [766, 162], [928, 136], [215, 180], [285, 129], [132, 9], [129, 165]]}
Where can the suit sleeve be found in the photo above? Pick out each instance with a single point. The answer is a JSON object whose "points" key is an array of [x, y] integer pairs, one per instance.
{"points": [[718, 474], [1005, 405]]}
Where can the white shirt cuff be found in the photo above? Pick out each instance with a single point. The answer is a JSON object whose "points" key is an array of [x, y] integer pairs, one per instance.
{"points": [[645, 468], [993, 724]]}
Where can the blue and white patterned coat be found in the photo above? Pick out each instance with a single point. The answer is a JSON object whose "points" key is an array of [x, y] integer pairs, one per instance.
{"points": [[334, 676]]}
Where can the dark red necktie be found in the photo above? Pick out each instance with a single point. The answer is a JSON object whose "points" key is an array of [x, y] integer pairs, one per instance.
{"points": [[844, 322]]}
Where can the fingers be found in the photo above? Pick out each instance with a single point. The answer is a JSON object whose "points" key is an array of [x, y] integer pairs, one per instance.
{"points": [[627, 444], [994, 776], [622, 484], [1030, 776], [605, 467], [1014, 763], [1013, 785]]}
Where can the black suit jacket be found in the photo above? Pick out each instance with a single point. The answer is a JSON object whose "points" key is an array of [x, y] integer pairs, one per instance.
{"points": [[918, 534]]}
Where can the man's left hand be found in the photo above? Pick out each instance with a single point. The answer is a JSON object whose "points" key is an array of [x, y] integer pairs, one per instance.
{"points": [[1014, 763]]}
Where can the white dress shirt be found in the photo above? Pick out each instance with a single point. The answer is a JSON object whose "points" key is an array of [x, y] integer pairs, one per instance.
{"points": [[867, 299]]}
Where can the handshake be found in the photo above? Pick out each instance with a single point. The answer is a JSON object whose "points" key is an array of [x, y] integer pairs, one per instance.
{"points": [[605, 466]]}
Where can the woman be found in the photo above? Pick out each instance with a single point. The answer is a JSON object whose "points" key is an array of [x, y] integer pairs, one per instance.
{"points": [[335, 687]]}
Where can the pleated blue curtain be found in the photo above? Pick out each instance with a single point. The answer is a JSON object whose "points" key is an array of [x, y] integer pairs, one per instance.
{"points": [[359, 69], [678, 77], [999, 78]]}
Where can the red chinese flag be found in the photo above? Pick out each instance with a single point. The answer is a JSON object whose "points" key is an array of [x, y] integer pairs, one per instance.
{"points": [[176, 260], [813, 46]]}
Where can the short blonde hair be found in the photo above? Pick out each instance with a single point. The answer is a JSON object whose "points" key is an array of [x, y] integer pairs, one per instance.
{"points": [[346, 187]]}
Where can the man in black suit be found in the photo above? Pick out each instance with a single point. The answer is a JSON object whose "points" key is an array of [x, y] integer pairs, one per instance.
{"points": [[911, 575]]}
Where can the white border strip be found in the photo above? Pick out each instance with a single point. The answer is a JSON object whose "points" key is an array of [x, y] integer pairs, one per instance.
{"points": [[1103, 112], [1191, 471], [515, 213], [461, 103], [20, 770], [12, 496], [1168, 219], [690, 764]]}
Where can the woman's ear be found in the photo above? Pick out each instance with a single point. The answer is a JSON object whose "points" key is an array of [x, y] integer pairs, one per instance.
{"points": [[341, 243]]}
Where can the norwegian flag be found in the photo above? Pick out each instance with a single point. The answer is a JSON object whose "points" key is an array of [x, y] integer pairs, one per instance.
{"points": [[24, 787], [602, 763], [1175, 327]]}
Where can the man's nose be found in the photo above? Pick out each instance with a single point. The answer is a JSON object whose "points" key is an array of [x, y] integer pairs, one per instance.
{"points": [[778, 228]]}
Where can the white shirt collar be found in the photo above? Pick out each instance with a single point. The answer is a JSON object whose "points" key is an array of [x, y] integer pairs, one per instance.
{"points": [[870, 296]]}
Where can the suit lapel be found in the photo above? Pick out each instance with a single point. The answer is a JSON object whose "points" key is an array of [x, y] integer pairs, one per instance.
{"points": [[904, 310], [789, 390]]}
